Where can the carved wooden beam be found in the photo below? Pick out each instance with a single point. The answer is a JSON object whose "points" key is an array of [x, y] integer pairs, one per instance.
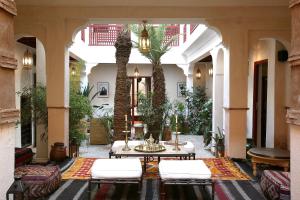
{"points": [[7, 61], [293, 116], [8, 116], [9, 6]]}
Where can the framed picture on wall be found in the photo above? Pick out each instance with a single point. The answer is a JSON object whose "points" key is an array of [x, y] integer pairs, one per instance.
{"points": [[103, 89], [180, 88]]}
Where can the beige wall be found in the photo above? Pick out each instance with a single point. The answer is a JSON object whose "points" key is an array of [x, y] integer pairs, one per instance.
{"points": [[108, 73], [277, 91]]}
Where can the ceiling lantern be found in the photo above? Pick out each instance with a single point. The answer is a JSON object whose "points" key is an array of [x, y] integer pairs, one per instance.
{"points": [[144, 41], [27, 60], [198, 73], [136, 72]]}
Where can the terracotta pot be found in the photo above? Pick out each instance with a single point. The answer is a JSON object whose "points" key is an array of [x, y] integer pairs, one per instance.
{"points": [[58, 152]]}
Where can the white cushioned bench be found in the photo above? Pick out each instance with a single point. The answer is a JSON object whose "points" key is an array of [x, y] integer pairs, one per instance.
{"points": [[128, 171], [184, 172]]}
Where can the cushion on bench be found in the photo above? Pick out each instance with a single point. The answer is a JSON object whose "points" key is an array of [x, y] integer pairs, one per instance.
{"points": [[275, 184], [183, 169], [23, 156], [116, 169], [42, 180]]}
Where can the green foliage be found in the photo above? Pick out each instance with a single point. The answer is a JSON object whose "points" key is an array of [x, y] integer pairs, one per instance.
{"points": [[179, 110], [147, 110], [219, 137], [200, 113], [37, 104], [86, 91], [80, 107]]}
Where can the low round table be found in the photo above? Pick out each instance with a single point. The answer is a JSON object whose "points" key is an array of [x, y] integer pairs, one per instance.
{"points": [[271, 156]]}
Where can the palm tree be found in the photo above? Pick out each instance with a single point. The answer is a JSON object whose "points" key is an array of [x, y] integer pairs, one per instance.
{"points": [[122, 99], [158, 48]]}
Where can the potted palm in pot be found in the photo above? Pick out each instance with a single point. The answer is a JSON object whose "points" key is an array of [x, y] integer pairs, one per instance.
{"points": [[219, 139]]}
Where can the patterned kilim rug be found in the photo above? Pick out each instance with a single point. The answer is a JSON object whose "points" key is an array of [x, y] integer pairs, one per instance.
{"points": [[221, 168]]}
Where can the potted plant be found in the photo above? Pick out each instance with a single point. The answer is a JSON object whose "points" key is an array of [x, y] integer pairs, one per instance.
{"points": [[219, 139], [80, 107]]}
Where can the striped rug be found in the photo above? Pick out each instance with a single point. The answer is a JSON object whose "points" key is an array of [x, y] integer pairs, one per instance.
{"points": [[221, 168], [224, 190]]}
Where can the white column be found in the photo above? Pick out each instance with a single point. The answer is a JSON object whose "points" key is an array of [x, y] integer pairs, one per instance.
{"points": [[41, 143], [88, 68], [235, 92], [57, 61], [218, 90]]}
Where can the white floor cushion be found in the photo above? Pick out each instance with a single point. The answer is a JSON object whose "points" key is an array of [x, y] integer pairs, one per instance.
{"points": [[183, 169], [116, 168]]}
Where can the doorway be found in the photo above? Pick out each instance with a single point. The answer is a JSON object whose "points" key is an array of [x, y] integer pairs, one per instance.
{"points": [[260, 97], [138, 85]]}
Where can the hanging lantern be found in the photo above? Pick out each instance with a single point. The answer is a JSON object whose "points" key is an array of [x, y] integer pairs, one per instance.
{"points": [[198, 73], [136, 72], [210, 72], [18, 190], [73, 71], [144, 41], [27, 60]]}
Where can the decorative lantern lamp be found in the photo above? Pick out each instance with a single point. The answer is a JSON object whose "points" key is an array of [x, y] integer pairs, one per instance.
{"points": [[73, 71], [144, 41], [27, 59], [198, 73], [136, 72], [18, 190], [210, 72]]}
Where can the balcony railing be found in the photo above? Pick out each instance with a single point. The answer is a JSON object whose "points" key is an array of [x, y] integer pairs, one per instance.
{"points": [[193, 27], [172, 31], [106, 34], [103, 34]]}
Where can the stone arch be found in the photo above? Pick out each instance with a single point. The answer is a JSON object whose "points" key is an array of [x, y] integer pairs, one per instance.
{"points": [[218, 89], [24, 78]]}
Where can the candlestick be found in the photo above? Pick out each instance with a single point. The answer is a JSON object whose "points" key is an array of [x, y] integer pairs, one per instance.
{"points": [[176, 119], [176, 147], [125, 118], [126, 147]]}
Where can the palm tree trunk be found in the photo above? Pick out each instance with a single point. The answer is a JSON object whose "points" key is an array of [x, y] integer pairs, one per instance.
{"points": [[122, 99], [158, 99]]}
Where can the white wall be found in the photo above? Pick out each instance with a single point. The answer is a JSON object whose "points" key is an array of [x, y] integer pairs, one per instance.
{"points": [[103, 73], [7, 161], [108, 73], [173, 75], [266, 49], [40, 63]]}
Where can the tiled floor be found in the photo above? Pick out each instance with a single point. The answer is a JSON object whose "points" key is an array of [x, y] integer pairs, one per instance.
{"points": [[101, 151]]}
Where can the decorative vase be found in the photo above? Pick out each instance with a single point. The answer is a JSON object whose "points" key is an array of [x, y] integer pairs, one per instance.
{"points": [[58, 152]]}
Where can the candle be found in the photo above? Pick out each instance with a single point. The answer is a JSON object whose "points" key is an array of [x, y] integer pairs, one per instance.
{"points": [[125, 118], [176, 119]]}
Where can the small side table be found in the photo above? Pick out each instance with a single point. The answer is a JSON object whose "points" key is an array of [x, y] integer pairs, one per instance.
{"points": [[271, 156]]}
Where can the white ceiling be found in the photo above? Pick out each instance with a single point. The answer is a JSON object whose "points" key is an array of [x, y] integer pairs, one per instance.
{"points": [[198, 3]]}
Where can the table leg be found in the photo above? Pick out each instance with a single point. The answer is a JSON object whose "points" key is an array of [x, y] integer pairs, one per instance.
{"points": [[145, 160], [254, 168]]}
